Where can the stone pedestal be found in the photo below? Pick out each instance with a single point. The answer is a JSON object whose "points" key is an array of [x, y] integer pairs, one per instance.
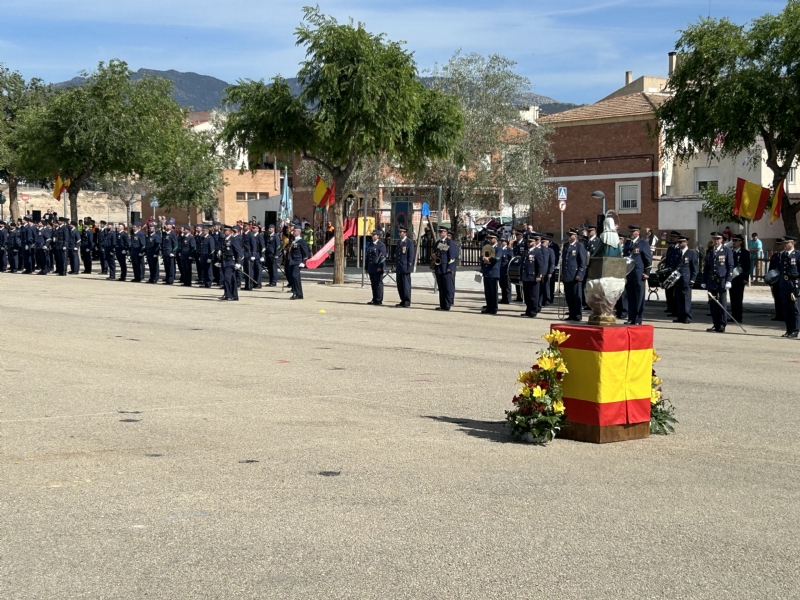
{"points": [[607, 390]]}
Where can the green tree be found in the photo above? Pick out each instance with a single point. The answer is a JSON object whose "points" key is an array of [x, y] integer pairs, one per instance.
{"points": [[736, 90], [16, 95], [718, 206], [108, 125], [361, 99]]}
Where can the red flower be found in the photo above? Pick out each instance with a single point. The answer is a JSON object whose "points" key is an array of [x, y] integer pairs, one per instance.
{"points": [[544, 385], [540, 408], [535, 367], [559, 376], [525, 410], [515, 399]]}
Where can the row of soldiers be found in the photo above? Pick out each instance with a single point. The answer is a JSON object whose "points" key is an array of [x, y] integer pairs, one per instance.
{"points": [[44, 246]]}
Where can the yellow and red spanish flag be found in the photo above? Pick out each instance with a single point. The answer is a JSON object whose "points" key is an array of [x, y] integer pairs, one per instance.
{"points": [[610, 374], [751, 200], [777, 203], [59, 186], [330, 196], [320, 190]]}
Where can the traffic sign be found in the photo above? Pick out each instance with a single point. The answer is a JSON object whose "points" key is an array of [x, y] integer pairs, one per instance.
{"points": [[24, 197], [562, 193], [154, 203], [562, 205], [426, 212]]}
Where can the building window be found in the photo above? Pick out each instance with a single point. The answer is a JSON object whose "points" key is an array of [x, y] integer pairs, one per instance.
{"points": [[252, 196], [705, 178], [263, 195], [241, 197], [629, 196], [792, 177], [208, 215]]}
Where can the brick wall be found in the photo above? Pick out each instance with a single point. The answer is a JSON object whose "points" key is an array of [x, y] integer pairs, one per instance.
{"points": [[595, 149]]}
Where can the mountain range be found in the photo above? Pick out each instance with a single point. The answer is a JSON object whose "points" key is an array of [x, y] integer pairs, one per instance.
{"points": [[203, 92]]}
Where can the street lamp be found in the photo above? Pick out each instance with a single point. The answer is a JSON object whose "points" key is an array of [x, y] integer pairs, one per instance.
{"points": [[598, 195]]}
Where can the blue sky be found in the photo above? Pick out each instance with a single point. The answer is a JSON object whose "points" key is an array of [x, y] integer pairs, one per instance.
{"points": [[571, 50]]}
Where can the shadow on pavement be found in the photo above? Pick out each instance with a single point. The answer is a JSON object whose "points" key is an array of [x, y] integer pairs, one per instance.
{"points": [[494, 431]]}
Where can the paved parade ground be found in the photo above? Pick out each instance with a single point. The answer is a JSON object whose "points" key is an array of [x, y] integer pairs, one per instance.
{"points": [[159, 444]]}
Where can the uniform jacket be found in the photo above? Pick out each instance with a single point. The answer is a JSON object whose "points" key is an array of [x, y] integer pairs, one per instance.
{"points": [[273, 244], [741, 259], [169, 243], [687, 264], [207, 246], [448, 252], [534, 265], [491, 270], [153, 243], [232, 250], [718, 267], [405, 256], [110, 239], [187, 245], [376, 257], [61, 237], [74, 241], [298, 252], [642, 257], [123, 242], [138, 242], [248, 243], [790, 271], [573, 262], [591, 245]]}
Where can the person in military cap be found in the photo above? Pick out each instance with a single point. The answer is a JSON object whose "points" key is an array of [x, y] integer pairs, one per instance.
{"points": [[687, 264], [169, 248], [505, 254], [573, 271], [375, 262], [41, 246], [519, 247], [404, 266], [3, 247], [231, 255], [187, 248], [490, 268], [554, 246], [638, 250], [216, 265], [138, 249], [74, 248], [790, 286], [110, 241], [100, 242], [298, 253], [152, 249], [206, 250], [13, 244], [532, 273], [456, 250], [271, 252], [775, 288], [27, 234], [122, 249], [672, 261], [549, 258], [741, 276], [717, 274], [258, 264], [447, 253], [61, 246], [87, 245]]}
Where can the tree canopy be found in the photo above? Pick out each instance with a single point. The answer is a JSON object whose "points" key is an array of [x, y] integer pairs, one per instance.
{"points": [[736, 90], [361, 99]]}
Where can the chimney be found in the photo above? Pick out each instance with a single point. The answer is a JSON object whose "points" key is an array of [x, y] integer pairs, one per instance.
{"points": [[673, 62], [628, 77]]}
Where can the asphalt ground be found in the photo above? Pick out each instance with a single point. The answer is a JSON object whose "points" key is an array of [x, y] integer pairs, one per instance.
{"points": [[157, 443]]}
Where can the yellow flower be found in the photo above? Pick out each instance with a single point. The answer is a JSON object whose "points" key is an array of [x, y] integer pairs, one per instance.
{"points": [[546, 363], [556, 337], [561, 367], [558, 407], [655, 396], [538, 392], [657, 381], [656, 357]]}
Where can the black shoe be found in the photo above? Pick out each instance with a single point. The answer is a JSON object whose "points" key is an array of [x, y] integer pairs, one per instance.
{"points": [[678, 321], [407, 305], [440, 308], [527, 315], [400, 305], [488, 312], [504, 302], [371, 302], [794, 334], [223, 298]]}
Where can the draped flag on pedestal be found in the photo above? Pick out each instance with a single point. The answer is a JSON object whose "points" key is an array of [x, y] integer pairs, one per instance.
{"points": [[751, 200]]}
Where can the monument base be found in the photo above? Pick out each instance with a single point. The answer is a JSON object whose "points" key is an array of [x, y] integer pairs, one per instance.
{"points": [[597, 434], [602, 320]]}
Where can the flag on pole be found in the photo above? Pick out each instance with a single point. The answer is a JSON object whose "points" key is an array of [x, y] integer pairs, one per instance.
{"points": [[320, 191], [330, 196], [751, 200], [58, 187], [286, 198], [777, 203]]}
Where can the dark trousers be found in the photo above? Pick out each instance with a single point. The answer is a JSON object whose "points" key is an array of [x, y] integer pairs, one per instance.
{"points": [[204, 270], [505, 287], [530, 293], [3, 260], [443, 284], [271, 269], [41, 260], [103, 261], [634, 290], [152, 266], [791, 314], [247, 268], [258, 272], [718, 315], [229, 281], [27, 260], [404, 288], [376, 282], [169, 268], [490, 293], [111, 265], [216, 272], [186, 270], [552, 291], [61, 261], [74, 260], [123, 265], [451, 288], [776, 298], [138, 266], [683, 300], [572, 294], [518, 290], [672, 303], [737, 298], [544, 289], [86, 256], [13, 260], [295, 281]]}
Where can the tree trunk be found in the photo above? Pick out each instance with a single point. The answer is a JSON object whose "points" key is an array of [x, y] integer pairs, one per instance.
{"points": [[73, 204], [13, 206], [339, 258], [789, 214]]}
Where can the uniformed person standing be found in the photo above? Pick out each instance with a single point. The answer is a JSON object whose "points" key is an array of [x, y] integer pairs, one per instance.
{"points": [[121, 250], [672, 261], [741, 265], [547, 274], [258, 264], [590, 242], [3, 247], [518, 248], [216, 265], [775, 288], [169, 246], [447, 252], [61, 246], [271, 252], [231, 256], [296, 257], [531, 275], [13, 244], [138, 245], [27, 234], [152, 250], [505, 256], [556, 257], [375, 262], [717, 280], [639, 251], [404, 266], [455, 250], [790, 286], [249, 247], [41, 248], [100, 240], [490, 268], [74, 247], [187, 247], [687, 265], [573, 270], [109, 249], [206, 250]]}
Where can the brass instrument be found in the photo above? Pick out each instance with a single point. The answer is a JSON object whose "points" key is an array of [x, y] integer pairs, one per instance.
{"points": [[488, 251], [436, 260]]}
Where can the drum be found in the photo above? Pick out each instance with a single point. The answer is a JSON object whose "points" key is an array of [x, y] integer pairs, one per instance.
{"points": [[772, 276], [671, 279], [514, 268]]}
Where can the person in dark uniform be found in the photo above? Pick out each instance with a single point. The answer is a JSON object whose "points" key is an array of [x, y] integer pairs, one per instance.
{"points": [[13, 244], [557, 256], [547, 274], [638, 250], [518, 248], [74, 248], [138, 246], [216, 264], [741, 269], [375, 261], [27, 233], [271, 252], [404, 266], [717, 274], [152, 249], [447, 253], [121, 250], [41, 248], [534, 269], [590, 242], [490, 268], [672, 261], [60, 246], [249, 247], [258, 265], [775, 288], [573, 270], [790, 286], [505, 256], [169, 246], [109, 248], [455, 250], [687, 265], [231, 256], [295, 260], [3, 247], [621, 307], [206, 249], [100, 241], [187, 248]]}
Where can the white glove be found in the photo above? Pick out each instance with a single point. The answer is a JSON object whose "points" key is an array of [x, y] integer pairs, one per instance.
{"points": [[209, 261], [237, 266], [261, 259], [124, 252], [302, 265], [172, 256], [216, 264], [727, 285], [252, 258], [27, 247], [703, 285]]}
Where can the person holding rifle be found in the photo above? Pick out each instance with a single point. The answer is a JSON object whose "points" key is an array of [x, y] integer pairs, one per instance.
{"points": [[717, 281]]}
